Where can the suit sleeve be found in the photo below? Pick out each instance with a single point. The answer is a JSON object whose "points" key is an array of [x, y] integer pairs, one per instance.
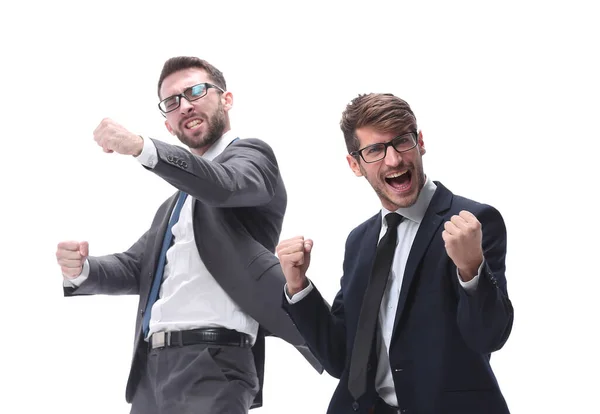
{"points": [[323, 329], [485, 316], [115, 274], [246, 174]]}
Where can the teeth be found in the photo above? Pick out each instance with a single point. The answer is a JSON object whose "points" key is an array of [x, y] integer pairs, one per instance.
{"points": [[192, 124], [396, 175]]}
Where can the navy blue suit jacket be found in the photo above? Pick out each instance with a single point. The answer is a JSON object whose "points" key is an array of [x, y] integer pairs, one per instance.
{"points": [[443, 337]]}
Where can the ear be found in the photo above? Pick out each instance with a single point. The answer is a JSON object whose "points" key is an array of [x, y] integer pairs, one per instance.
{"points": [[354, 166], [169, 128], [227, 100], [421, 143]]}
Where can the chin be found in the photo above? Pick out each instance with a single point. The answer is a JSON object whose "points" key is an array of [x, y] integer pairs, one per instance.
{"points": [[403, 201]]}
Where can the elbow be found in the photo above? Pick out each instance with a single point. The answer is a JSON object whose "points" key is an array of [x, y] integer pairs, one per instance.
{"points": [[489, 336], [335, 370]]}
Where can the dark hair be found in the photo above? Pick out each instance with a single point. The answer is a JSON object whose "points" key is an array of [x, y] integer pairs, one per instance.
{"points": [[382, 111], [175, 64]]}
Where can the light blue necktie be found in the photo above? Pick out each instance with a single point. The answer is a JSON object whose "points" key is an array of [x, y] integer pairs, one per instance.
{"points": [[161, 262]]}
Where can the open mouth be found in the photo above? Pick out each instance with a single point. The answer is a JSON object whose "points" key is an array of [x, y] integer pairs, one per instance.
{"points": [[399, 181], [193, 124]]}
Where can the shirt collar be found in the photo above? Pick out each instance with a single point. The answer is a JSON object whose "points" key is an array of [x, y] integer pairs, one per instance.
{"points": [[219, 146], [416, 212]]}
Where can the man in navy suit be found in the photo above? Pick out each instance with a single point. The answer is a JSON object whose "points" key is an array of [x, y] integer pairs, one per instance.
{"points": [[423, 300]]}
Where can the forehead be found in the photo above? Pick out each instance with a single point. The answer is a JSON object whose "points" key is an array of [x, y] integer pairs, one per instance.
{"points": [[178, 81], [368, 135]]}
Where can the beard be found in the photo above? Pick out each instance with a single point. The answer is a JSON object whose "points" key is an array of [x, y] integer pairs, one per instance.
{"points": [[215, 126], [387, 196]]}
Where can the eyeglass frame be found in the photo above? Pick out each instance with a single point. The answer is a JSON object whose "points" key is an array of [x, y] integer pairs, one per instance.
{"points": [[207, 86], [358, 152]]}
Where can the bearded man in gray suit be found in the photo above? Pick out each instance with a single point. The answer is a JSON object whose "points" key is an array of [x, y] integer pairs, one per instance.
{"points": [[207, 256]]}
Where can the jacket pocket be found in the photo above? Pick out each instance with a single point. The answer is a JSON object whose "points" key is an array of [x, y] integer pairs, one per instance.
{"points": [[476, 401]]}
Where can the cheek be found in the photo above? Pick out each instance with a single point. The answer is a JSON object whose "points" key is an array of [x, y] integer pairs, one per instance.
{"points": [[172, 124], [372, 172], [412, 159], [204, 107]]}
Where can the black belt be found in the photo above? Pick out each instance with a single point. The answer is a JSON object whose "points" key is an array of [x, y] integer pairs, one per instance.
{"points": [[208, 336], [381, 407]]}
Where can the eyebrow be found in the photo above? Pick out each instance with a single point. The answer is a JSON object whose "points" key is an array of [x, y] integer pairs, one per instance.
{"points": [[185, 88]]}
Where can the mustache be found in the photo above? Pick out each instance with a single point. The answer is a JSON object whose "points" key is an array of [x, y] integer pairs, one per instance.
{"points": [[194, 115], [399, 168]]}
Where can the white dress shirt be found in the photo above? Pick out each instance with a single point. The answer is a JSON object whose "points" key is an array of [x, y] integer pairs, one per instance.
{"points": [[189, 296], [407, 230]]}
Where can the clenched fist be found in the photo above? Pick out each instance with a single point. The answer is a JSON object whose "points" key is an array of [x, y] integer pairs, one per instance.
{"points": [[294, 256], [71, 255], [462, 236], [113, 137]]}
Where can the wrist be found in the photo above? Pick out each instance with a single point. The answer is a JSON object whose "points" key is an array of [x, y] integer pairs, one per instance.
{"points": [[296, 287], [139, 146], [467, 275], [468, 272], [70, 276]]}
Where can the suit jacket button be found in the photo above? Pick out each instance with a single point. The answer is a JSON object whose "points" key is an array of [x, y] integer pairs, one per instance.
{"points": [[355, 406]]}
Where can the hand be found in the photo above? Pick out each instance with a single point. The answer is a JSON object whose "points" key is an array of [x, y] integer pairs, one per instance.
{"points": [[71, 255], [462, 236], [294, 255], [112, 137]]}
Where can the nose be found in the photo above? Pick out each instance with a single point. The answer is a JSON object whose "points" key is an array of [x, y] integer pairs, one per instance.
{"points": [[185, 106], [392, 157]]}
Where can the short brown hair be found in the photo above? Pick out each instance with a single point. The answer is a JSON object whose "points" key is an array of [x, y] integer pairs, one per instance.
{"points": [[175, 64], [382, 111]]}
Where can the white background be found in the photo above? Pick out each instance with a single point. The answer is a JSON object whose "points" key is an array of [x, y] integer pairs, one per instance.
{"points": [[506, 96]]}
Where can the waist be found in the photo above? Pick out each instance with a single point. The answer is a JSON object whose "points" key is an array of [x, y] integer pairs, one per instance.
{"points": [[247, 325], [198, 303], [207, 336]]}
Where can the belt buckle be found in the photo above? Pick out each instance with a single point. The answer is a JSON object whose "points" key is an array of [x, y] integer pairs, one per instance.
{"points": [[160, 339]]}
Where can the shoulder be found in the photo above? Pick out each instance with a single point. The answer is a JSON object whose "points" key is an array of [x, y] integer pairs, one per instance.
{"points": [[256, 143], [475, 207], [358, 232], [254, 146], [485, 213], [490, 218]]}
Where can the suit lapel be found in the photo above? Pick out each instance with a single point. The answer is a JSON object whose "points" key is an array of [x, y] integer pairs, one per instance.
{"points": [[429, 226], [365, 255]]}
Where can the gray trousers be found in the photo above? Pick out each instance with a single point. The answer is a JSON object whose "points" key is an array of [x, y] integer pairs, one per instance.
{"points": [[197, 379]]}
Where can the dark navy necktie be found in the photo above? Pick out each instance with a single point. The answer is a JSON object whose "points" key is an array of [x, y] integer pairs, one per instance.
{"points": [[160, 268], [365, 332]]}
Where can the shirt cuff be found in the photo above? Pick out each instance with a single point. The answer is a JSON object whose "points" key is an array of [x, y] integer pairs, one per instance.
{"points": [[471, 285], [298, 296], [77, 281], [148, 157]]}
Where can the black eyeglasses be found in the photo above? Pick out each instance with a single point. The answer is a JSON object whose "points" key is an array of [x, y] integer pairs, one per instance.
{"points": [[192, 93], [377, 152]]}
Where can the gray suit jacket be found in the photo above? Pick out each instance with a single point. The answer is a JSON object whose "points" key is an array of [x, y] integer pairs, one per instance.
{"points": [[239, 205]]}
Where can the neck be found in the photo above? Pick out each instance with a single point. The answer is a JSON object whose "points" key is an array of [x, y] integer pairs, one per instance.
{"points": [[202, 150]]}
